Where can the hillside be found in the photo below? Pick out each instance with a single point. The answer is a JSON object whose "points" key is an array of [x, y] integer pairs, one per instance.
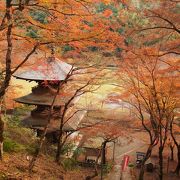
{"points": [[15, 166]]}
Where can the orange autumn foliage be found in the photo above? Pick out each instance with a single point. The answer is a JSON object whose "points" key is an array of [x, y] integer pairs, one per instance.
{"points": [[38, 25]]}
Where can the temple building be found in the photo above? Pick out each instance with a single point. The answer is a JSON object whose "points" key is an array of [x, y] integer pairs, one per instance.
{"points": [[48, 74]]}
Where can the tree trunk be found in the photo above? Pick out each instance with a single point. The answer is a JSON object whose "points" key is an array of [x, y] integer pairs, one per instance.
{"points": [[178, 148], [104, 153], [7, 78], [178, 164], [103, 157], [141, 174], [59, 146], [161, 162], [148, 154], [1, 137], [172, 152], [36, 154]]}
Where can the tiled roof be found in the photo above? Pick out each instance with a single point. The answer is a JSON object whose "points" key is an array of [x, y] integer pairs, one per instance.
{"points": [[49, 69], [44, 99], [40, 123], [45, 95]]}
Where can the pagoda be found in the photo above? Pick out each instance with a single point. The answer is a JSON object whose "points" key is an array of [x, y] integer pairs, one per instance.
{"points": [[50, 71]]}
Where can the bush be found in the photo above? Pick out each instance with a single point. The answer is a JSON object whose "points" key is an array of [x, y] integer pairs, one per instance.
{"points": [[78, 151], [18, 138], [31, 148], [107, 168], [14, 120], [69, 164], [67, 48], [67, 148], [93, 48], [12, 146], [131, 165], [39, 16], [3, 176]]}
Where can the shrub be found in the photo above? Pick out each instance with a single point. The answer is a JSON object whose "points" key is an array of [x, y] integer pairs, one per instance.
{"points": [[93, 48], [12, 146], [78, 151], [131, 165], [107, 168], [18, 138], [31, 148], [14, 120], [69, 164], [67, 48], [67, 148], [3, 176]]}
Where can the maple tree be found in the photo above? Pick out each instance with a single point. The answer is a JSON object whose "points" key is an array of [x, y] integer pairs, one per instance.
{"points": [[154, 23], [150, 87], [154, 27], [164, 25]]}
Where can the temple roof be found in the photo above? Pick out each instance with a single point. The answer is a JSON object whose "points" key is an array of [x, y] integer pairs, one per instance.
{"points": [[45, 96], [44, 99], [40, 123], [51, 69], [91, 142]]}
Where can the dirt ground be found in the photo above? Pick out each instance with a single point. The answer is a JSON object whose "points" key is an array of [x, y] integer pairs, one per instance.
{"points": [[14, 167]]}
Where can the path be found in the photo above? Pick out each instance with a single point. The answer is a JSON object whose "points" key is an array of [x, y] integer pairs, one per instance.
{"points": [[121, 149]]}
